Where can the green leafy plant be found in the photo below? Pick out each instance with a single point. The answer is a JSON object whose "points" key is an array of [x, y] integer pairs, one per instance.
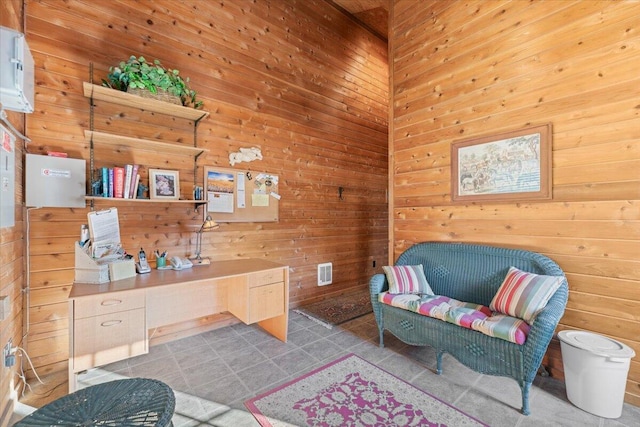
{"points": [[137, 73]]}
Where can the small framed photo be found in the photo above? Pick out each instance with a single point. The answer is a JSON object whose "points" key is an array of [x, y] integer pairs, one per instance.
{"points": [[164, 184]]}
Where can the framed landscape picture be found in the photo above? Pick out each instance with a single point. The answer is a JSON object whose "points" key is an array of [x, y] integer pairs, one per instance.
{"points": [[164, 184], [513, 165]]}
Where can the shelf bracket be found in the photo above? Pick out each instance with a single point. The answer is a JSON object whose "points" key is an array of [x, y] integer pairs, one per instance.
{"points": [[198, 204], [91, 127]]}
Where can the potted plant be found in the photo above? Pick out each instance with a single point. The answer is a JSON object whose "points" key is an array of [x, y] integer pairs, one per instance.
{"points": [[151, 80]]}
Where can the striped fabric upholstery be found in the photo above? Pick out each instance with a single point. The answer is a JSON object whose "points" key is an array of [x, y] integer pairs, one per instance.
{"points": [[405, 301], [435, 306], [505, 327], [524, 294], [468, 315], [407, 279]]}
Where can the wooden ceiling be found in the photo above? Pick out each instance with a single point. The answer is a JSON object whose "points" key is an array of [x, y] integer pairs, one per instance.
{"points": [[372, 13]]}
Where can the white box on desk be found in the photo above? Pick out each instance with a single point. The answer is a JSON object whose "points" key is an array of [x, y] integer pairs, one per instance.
{"points": [[122, 269], [87, 270]]}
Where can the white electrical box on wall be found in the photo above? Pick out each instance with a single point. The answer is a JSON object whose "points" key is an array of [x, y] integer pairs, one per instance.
{"points": [[16, 72], [56, 182]]}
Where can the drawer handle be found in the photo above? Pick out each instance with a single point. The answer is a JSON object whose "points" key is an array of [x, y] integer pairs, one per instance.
{"points": [[110, 323], [111, 302]]}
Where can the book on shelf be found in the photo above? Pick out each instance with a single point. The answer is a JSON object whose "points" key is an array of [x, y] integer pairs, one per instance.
{"points": [[127, 180], [134, 186], [135, 193], [118, 186], [120, 182], [105, 182], [110, 182]]}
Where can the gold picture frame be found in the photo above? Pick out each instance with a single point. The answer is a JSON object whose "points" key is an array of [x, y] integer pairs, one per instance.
{"points": [[513, 165], [164, 184]]}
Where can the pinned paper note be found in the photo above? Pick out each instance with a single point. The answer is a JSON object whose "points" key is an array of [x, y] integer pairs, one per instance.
{"points": [[240, 191], [220, 191], [259, 200]]}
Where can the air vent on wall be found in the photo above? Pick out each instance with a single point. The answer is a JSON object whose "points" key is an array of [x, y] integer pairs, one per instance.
{"points": [[325, 274]]}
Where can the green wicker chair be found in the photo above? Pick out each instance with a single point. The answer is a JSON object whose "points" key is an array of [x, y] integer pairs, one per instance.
{"points": [[473, 273], [128, 402]]}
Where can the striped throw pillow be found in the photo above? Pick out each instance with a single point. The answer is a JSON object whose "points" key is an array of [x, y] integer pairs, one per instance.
{"points": [[524, 294], [407, 279]]}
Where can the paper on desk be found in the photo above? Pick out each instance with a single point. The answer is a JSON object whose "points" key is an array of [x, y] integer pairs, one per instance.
{"points": [[107, 251], [104, 230], [104, 226]]}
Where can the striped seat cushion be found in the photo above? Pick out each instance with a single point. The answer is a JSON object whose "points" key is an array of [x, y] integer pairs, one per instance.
{"points": [[507, 328], [435, 306], [467, 315], [404, 301]]}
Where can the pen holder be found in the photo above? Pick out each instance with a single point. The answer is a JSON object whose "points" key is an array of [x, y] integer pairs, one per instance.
{"points": [[161, 262]]}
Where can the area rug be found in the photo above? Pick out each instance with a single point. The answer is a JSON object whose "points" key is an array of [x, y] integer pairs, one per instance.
{"points": [[336, 310], [352, 392]]}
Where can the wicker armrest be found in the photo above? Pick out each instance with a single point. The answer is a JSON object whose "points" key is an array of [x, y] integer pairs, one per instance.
{"points": [[378, 284], [543, 328]]}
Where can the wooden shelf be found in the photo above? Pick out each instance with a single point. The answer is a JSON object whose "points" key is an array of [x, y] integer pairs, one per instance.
{"points": [[114, 199], [141, 144], [123, 98], [95, 92]]}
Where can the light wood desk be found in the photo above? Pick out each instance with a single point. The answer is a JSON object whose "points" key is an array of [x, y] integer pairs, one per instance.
{"points": [[111, 321]]}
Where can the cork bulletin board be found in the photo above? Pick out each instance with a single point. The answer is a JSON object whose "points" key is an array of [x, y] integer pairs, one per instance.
{"points": [[235, 195]]}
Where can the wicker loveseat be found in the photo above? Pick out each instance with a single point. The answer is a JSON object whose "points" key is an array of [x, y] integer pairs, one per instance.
{"points": [[473, 273]]}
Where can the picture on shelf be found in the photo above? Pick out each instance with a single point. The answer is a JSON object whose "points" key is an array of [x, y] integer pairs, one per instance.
{"points": [[164, 184]]}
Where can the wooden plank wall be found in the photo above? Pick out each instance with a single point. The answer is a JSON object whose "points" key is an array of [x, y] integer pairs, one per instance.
{"points": [[474, 68], [11, 243], [298, 79]]}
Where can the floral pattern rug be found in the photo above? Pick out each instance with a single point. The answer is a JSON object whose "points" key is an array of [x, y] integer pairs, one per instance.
{"points": [[352, 392], [340, 309]]}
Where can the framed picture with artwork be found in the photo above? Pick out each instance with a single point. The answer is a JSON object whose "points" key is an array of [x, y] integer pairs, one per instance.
{"points": [[164, 184], [513, 165]]}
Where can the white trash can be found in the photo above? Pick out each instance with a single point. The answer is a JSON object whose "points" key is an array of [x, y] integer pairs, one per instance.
{"points": [[595, 370]]}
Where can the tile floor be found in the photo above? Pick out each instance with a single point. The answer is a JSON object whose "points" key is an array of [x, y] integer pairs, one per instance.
{"points": [[213, 373]]}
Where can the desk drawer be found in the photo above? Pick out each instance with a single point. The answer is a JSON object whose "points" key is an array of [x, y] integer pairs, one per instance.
{"points": [[265, 277], [96, 305], [266, 302], [104, 339]]}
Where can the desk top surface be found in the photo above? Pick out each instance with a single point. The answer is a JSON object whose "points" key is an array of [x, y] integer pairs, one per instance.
{"points": [[215, 270]]}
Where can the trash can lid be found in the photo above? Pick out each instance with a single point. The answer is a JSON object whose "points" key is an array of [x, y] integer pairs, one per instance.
{"points": [[597, 344]]}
